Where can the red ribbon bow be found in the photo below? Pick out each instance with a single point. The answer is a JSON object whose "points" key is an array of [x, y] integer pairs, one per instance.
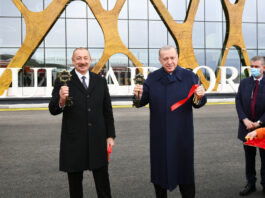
{"points": [[181, 102]]}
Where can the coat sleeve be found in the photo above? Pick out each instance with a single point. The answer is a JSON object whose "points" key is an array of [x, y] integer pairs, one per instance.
{"points": [[239, 107], [108, 113], [54, 107]]}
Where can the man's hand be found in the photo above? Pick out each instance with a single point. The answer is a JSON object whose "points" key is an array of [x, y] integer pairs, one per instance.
{"points": [[138, 91], [199, 92], [64, 93], [110, 142], [251, 135], [249, 124]]}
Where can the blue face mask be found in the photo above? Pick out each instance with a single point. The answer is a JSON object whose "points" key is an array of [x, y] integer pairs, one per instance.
{"points": [[255, 72]]}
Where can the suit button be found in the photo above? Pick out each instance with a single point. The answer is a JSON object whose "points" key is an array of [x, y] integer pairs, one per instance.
{"points": [[89, 124], [88, 96], [88, 109]]}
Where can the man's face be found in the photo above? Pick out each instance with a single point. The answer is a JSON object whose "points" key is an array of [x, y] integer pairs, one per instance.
{"points": [[168, 59], [81, 61], [258, 65]]}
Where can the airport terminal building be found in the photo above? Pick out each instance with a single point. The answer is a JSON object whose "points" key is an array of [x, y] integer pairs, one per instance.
{"points": [[37, 39]]}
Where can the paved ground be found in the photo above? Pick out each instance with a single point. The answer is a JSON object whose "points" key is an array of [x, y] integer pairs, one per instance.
{"points": [[29, 146]]}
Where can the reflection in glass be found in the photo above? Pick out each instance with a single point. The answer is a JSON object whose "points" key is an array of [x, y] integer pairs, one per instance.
{"points": [[33, 5], [250, 34], [10, 32], [252, 53], [233, 59], [138, 9], [56, 36], [6, 55], [76, 32], [212, 58], [177, 9], [152, 12], [76, 9], [141, 55], [261, 36], [154, 58], [200, 56], [213, 31], [119, 64], [137, 34], [123, 31], [213, 10], [250, 11], [157, 34], [261, 13], [55, 57], [171, 41], [95, 34], [198, 35], [261, 53], [9, 8], [200, 11]]}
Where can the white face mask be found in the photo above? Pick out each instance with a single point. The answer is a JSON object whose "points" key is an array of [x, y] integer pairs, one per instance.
{"points": [[255, 72]]}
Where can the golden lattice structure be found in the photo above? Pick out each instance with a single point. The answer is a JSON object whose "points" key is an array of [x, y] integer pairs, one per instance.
{"points": [[38, 25]]}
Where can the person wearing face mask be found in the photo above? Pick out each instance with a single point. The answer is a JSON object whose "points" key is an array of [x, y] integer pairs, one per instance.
{"points": [[250, 106]]}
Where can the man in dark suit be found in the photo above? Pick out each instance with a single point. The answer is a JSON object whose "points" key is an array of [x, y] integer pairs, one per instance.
{"points": [[171, 132], [87, 126], [250, 105]]}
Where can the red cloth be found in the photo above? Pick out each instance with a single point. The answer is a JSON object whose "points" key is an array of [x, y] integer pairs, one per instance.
{"points": [[256, 142], [181, 102], [109, 152]]}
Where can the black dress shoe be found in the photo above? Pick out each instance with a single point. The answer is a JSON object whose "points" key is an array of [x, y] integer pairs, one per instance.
{"points": [[247, 190]]}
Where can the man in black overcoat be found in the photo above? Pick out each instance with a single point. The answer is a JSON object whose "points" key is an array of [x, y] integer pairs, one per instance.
{"points": [[87, 125], [250, 106]]}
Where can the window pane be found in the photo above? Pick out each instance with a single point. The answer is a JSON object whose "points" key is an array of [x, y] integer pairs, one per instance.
{"points": [[213, 10], [10, 32], [141, 55], [37, 59], [212, 57], [95, 34], [6, 55], [171, 41], [200, 11], [76, 9], [250, 35], [33, 5], [200, 56], [233, 59], [154, 58], [198, 35], [261, 36], [152, 12], [76, 33], [261, 13], [138, 34], [123, 31], [8, 8], [250, 11], [177, 9], [213, 32], [55, 57], [157, 34], [252, 53], [137, 9], [261, 53], [56, 36]]}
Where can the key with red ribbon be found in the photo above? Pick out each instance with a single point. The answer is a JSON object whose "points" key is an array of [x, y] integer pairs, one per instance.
{"points": [[181, 102]]}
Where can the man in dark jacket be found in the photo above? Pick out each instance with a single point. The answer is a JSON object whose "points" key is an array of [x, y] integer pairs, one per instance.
{"points": [[87, 125], [250, 106], [171, 132]]}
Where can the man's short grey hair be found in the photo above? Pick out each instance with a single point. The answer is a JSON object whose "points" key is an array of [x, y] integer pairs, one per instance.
{"points": [[81, 48], [167, 47], [259, 58]]}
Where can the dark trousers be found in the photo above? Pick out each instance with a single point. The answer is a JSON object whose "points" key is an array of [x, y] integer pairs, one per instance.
{"points": [[250, 156], [101, 179], [186, 190]]}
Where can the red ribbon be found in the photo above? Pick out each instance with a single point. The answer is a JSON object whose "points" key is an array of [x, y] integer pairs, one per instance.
{"points": [[109, 150], [181, 102], [256, 142]]}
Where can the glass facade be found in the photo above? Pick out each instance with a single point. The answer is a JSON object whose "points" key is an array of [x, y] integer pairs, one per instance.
{"points": [[141, 30]]}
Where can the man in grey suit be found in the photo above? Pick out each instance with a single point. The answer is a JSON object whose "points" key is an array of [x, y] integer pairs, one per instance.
{"points": [[87, 125]]}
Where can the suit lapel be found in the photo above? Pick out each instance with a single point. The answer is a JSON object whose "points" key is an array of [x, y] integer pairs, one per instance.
{"points": [[92, 82]]}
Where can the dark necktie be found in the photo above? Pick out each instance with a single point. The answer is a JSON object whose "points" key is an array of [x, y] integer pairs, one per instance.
{"points": [[253, 101], [84, 82]]}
